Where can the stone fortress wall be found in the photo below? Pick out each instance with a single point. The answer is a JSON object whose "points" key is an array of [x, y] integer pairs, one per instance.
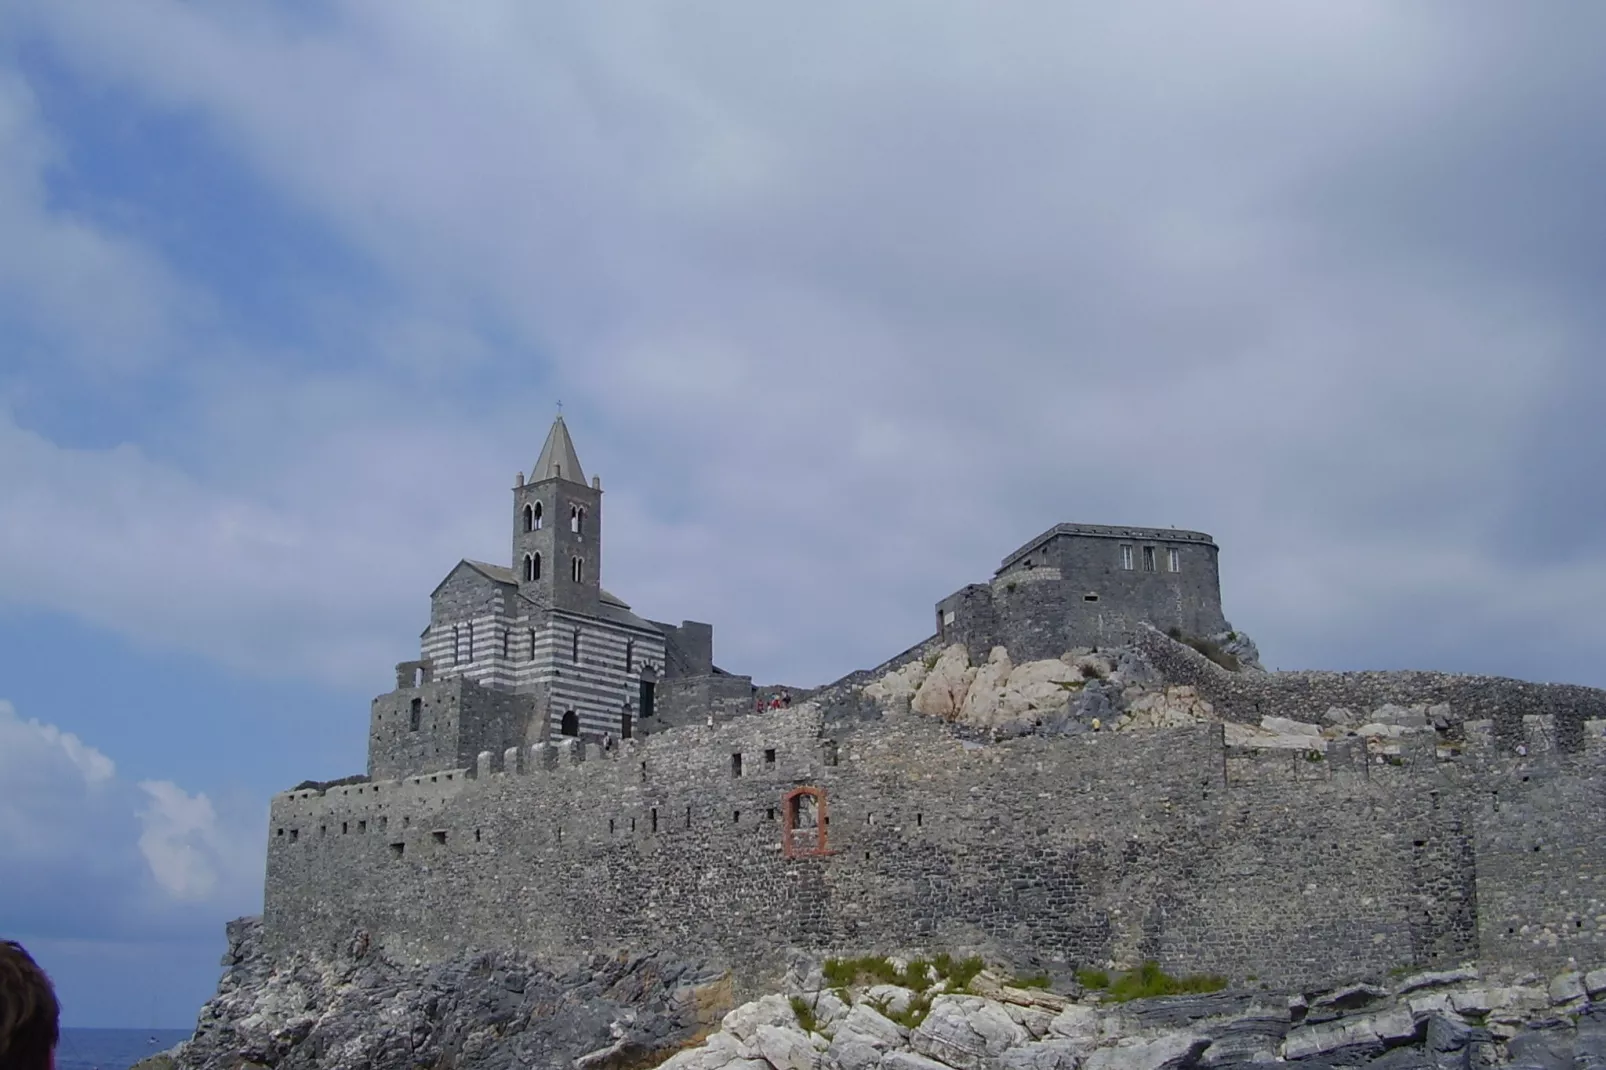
{"points": [[1100, 847]]}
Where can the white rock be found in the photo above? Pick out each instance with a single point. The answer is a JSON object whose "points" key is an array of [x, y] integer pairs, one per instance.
{"points": [[1033, 687], [967, 1032], [786, 1049], [1595, 981], [1245, 735], [1034, 1019], [892, 998], [861, 1038], [743, 1022], [897, 685], [1472, 1001], [1168, 1050], [1077, 1023], [1284, 726], [908, 1060], [981, 701], [828, 1009], [1338, 716], [943, 692], [719, 1052], [1043, 1055]]}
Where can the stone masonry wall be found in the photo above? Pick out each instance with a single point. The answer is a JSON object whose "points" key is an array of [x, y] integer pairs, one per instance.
{"points": [[1308, 695], [1087, 849]]}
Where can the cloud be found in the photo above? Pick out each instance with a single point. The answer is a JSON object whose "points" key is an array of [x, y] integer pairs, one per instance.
{"points": [[846, 306], [90, 856]]}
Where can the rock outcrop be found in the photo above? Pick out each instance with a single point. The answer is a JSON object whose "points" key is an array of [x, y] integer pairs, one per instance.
{"points": [[1447, 1020], [493, 1010]]}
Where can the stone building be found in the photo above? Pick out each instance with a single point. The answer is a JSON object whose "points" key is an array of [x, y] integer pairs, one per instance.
{"points": [[1079, 585], [515, 653]]}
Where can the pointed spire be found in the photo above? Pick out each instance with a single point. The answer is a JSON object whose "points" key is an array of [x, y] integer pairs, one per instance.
{"points": [[558, 459]]}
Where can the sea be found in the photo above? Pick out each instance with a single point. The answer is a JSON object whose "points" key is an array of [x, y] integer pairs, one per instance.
{"points": [[112, 1049]]}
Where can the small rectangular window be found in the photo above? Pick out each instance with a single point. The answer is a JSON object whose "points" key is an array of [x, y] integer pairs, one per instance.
{"points": [[281, 832], [440, 835], [345, 828], [769, 756], [736, 817], [362, 826], [1126, 558], [1173, 560], [736, 763], [295, 834], [1148, 559], [396, 849], [655, 819]]}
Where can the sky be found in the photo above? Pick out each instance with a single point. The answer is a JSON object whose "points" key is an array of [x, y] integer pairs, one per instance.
{"points": [[843, 304]]}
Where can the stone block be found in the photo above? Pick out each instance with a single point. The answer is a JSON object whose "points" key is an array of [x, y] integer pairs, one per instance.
{"points": [[1566, 987]]}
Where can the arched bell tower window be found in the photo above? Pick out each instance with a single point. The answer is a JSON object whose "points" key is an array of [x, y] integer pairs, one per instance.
{"points": [[529, 518], [577, 570], [530, 572], [570, 725], [536, 509], [577, 520]]}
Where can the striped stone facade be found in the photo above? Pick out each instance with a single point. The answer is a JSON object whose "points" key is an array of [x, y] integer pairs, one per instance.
{"points": [[582, 662]]}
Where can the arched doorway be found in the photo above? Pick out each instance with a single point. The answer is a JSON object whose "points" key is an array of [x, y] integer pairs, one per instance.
{"points": [[571, 724]]}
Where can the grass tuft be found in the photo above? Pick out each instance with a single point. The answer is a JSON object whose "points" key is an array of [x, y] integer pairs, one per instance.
{"points": [[1088, 977], [1035, 980], [1149, 980], [805, 1014]]}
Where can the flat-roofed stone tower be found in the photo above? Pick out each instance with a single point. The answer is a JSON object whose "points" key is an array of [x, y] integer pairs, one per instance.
{"points": [[1078, 585], [515, 654]]}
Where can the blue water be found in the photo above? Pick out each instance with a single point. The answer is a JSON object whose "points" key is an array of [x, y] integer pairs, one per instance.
{"points": [[112, 1049]]}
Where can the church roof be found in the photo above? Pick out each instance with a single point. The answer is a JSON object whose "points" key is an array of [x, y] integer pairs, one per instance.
{"points": [[558, 459]]}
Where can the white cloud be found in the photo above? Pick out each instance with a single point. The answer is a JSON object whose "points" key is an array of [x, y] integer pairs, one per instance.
{"points": [[841, 332], [88, 854]]}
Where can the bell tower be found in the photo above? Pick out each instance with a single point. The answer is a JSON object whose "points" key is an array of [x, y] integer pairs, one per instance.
{"points": [[557, 528]]}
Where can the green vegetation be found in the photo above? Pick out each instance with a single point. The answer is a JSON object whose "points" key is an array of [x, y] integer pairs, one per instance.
{"points": [[1313, 756], [1149, 980], [1070, 685], [916, 976], [805, 1014], [930, 661], [1088, 977], [1035, 980]]}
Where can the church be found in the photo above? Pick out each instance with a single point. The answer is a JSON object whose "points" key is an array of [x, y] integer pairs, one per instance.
{"points": [[537, 648]]}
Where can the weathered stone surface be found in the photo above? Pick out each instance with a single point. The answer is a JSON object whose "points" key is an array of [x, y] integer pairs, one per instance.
{"points": [[966, 1032], [1175, 1011], [862, 1036], [1057, 1054], [908, 1060], [1247, 1040], [942, 693], [894, 998], [1076, 1022], [1162, 1053], [785, 1049], [743, 1022], [899, 685], [1436, 979], [1545, 1045], [1566, 987]]}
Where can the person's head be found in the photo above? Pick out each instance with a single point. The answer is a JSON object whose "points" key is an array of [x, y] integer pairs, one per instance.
{"points": [[30, 1017]]}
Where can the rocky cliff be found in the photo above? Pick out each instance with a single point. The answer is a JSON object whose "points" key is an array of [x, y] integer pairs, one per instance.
{"points": [[491, 1010], [487, 1010]]}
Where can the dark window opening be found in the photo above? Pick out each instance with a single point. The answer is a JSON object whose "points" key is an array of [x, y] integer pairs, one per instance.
{"points": [[571, 724], [537, 516], [280, 832], [560, 833], [769, 814], [345, 829], [505, 635], [736, 763], [323, 830], [1148, 559], [396, 849], [415, 715], [407, 822], [630, 653], [610, 826], [476, 835], [626, 725], [769, 756], [439, 835], [917, 820], [646, 699], [688, 817], [576, 652], [529, 518], [736, 817], [295, 834], [1090, 598], [655, 819]]}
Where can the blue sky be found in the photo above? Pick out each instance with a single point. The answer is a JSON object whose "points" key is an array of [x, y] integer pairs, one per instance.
{"points": [[842, 307]]}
